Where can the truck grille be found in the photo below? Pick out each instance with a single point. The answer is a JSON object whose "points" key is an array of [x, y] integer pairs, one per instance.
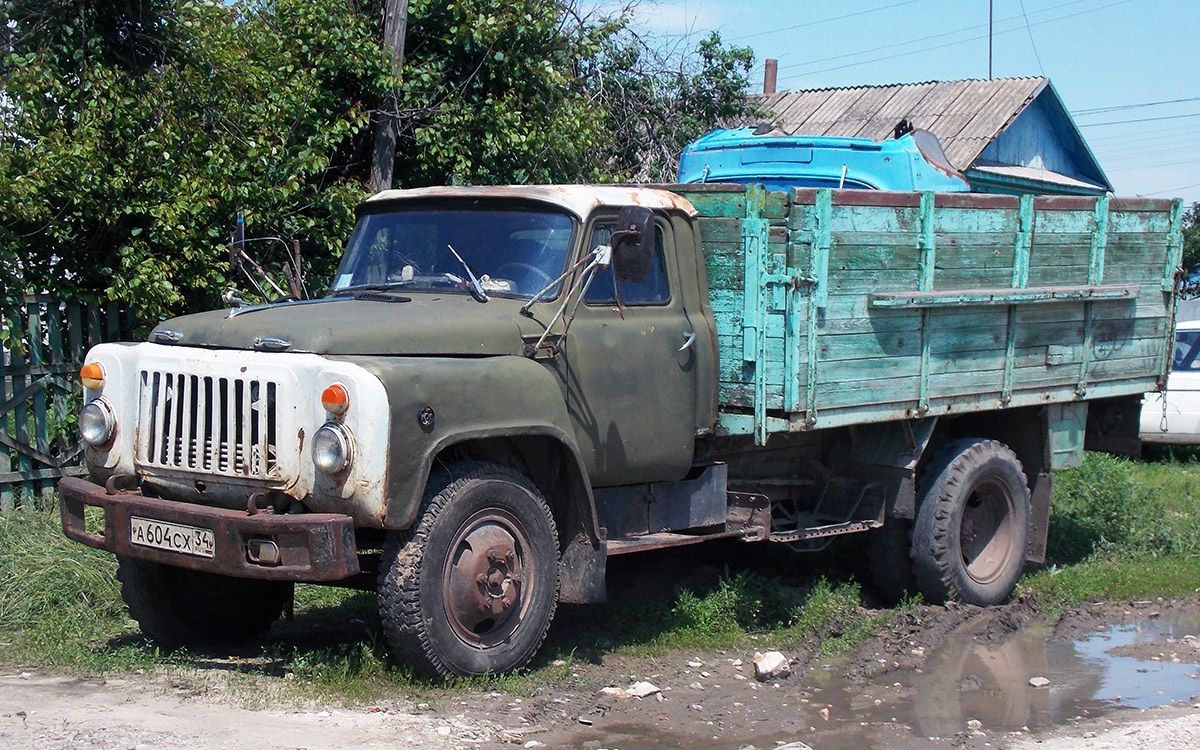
{"points": [[219, 425]]}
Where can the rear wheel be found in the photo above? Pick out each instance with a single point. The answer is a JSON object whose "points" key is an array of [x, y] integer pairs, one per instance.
{"points": [[472, 588], [179, 607], [972, 528]]}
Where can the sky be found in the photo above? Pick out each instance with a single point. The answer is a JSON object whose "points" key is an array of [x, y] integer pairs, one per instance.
{"points": [[1127, 70]]}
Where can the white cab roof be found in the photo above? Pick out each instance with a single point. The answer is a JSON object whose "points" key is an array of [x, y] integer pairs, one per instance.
{"points": [[580, 200]]}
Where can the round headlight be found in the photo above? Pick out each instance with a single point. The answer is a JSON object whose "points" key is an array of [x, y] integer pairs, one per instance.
{"points": [[331, 448], [97, 423]]}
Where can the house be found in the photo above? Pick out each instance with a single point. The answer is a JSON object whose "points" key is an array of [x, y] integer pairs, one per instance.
{"points": [[1007, 135]]}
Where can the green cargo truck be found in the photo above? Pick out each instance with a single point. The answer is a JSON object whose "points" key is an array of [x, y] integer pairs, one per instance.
{"points": [[506, 386]]}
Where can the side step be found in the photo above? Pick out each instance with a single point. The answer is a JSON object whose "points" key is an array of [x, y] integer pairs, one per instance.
{"points": [[820, 532], [662, 540]]}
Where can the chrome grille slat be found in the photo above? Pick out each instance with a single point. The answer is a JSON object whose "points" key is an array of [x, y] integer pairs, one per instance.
{"points": [[218, 425]]}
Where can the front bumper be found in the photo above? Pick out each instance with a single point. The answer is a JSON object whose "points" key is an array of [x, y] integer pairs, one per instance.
{"points": [[312, 546]]}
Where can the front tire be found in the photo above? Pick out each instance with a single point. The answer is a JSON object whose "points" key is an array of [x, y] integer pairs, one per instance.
{"points": [[179, 607], [971, 533], [473, 586]]}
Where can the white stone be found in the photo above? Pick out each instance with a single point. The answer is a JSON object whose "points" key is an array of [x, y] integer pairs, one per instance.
{"points": [[770, 665], [643, 689], [1038, 682]]}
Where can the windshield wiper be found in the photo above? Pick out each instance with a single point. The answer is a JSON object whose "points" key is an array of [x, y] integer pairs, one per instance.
{"points": [[348, 291], [476, 288]]}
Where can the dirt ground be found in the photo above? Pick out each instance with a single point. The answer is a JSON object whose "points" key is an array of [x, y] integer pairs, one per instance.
{"points": [[951, 676]]}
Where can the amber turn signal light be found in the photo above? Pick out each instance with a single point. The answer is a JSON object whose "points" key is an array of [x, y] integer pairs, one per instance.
{"points": [[335, 399], [92, 376]]}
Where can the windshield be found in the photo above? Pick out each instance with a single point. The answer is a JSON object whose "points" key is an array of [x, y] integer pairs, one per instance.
{"points": [[512, 251]]}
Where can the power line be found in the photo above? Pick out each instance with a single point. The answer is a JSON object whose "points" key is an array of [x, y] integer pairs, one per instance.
{"points": [[928, 38], [1032, 43], [1123, 107], [1193, 160], [823, 20], [1139, 119], [950, 44], [1174, 189]]}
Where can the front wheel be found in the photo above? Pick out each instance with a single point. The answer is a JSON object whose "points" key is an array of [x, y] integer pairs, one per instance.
{"points": [[472, 588], [179, 607], [970, 537]]}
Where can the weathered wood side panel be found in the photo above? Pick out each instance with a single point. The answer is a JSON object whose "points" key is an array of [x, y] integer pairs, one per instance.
{"points": [[823, 282]]}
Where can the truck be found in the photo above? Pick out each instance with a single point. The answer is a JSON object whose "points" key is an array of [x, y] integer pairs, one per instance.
{"points": [[912, 161], [504, 387]]}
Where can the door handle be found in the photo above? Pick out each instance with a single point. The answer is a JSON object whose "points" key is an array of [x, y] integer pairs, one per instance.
{"points": [[690, 339]]}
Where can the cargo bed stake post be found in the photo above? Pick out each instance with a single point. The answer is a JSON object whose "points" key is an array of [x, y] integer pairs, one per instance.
{"points": [[1020, 279], [819, 298], [926, 246], [1095, 277], [1173, 277]]}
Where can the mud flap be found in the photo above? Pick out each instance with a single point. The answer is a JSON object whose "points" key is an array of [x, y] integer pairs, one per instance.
{"points": [[581, 572], [1039, 518]]}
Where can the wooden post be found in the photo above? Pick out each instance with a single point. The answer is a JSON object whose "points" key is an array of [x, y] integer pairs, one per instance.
{"points": [[383, 161]]}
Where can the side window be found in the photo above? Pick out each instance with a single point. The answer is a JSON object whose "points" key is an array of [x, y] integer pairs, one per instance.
{"points": [[653, 291]]}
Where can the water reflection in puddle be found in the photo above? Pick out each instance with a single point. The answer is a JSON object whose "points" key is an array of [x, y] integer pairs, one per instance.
{"points": [[966, 680]]}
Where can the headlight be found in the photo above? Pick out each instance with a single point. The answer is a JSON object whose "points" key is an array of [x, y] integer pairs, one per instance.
{"points": [[331, 448], [97, 423]]}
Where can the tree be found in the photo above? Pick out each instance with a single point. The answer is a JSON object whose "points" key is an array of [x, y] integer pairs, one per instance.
{"points": [[135, 131], [1191, 237]]}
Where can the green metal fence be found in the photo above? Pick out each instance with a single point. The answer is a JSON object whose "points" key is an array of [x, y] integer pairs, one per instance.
{"points": [[44, 342]]}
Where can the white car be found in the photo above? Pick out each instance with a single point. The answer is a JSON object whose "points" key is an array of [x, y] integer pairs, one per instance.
{"points": [[1180, 422]]}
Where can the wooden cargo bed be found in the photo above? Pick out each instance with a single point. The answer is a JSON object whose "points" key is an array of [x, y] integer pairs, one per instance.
{"points": [[845, 307]]}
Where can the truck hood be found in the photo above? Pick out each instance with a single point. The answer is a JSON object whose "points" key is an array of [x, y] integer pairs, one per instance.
{"points": [[432, 324]]}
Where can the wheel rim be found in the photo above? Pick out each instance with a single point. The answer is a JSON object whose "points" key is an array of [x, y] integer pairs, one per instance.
{"points": [[987, 534], [486, 578]]}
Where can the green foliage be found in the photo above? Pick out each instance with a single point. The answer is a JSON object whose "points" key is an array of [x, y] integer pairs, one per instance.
{"points": [[656, 105], [1114, 508], [134, 131], [1191, 237], [126, 162]]}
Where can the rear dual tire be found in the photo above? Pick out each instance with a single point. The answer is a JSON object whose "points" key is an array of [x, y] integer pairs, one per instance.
{"points": [[971, 533]]}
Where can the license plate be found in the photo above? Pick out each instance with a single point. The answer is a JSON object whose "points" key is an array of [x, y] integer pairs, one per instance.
{"points": [[186, 540]]}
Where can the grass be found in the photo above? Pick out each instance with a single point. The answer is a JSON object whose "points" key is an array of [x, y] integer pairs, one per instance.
{"points": [[1119, 529]]}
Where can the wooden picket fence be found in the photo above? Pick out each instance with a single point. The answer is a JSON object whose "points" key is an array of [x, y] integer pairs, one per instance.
{"points": [[44, 342]]}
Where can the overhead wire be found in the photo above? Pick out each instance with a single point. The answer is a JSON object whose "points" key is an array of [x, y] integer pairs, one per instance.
{"points": [[944, 46], [1032, 43], [1123, 107], [822, 20], [1139, 119]]}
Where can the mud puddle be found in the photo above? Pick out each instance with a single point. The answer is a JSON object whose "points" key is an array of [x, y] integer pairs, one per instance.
{"points": [[965, 685]]}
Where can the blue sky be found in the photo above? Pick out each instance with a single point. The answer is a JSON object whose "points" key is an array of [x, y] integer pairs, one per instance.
{"points": [[1100, 55]]}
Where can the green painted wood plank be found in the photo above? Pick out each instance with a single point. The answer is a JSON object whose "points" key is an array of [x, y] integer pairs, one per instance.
{"points": [[1032, 295]]}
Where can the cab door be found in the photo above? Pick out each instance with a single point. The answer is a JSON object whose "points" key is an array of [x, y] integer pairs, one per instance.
{"points": [[631, 368]]}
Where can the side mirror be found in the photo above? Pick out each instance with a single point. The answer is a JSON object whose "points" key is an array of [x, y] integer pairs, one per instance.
{"points": [[633, 244]]}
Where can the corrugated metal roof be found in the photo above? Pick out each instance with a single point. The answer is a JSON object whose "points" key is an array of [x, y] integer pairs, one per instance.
{"points": [[965, 115]]}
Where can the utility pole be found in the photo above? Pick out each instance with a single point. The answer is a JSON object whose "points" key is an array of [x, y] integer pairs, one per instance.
{"points": [[383, 160], [990, 39]]}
